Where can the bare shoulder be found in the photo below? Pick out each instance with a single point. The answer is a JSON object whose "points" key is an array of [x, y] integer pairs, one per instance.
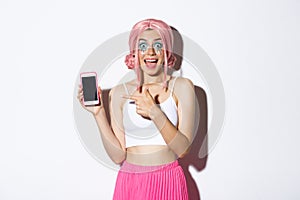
{"points": [[184, 93], [120, 90], [116, 93], [183, 83]]}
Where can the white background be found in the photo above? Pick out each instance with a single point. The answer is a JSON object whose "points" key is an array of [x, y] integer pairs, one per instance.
{"points": [[254, 45]]}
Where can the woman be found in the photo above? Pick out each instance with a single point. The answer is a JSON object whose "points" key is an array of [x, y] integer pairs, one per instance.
{"points": [[152, 118]]}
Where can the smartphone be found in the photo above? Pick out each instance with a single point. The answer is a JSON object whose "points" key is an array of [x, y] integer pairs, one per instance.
{"points": [[90, 88]]}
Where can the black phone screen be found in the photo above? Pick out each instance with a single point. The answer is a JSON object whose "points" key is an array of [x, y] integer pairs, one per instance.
{"points": [[89, 88]]}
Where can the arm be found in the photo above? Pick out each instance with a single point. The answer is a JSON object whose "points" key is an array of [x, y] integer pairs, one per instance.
{"points": [[178, 139], [111, 134]]}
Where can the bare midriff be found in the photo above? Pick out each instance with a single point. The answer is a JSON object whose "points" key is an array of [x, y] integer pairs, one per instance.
{"points": [[150, 155]]}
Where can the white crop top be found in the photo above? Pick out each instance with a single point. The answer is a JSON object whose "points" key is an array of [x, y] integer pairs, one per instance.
{"points": [[140, 131]]}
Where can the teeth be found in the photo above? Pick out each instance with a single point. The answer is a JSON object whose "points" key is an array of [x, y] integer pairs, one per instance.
{"points": [[151, 60]]}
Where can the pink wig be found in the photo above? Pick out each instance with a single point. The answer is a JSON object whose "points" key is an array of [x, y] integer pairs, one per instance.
{"points": [[166, 35]]}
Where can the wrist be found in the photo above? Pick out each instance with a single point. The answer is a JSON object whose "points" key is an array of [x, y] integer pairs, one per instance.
{"points": [[157, 116], [100, 112], [155, 112]]}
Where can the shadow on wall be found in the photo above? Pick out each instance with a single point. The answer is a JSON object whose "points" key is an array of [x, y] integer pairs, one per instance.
{"points": [[199, 142], [192, 158]]}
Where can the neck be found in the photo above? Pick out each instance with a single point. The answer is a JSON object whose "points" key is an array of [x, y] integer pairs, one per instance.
{"points": [[153, 79]]}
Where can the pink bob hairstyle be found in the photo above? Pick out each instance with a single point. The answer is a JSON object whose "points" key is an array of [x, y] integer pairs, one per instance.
{"points": [[165, 32]]}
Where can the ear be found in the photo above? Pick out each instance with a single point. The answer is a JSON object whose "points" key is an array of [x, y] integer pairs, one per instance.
{"points": [[171, 61]]}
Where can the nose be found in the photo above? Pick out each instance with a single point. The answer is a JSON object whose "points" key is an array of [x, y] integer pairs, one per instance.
{"points": [[151, 51]]}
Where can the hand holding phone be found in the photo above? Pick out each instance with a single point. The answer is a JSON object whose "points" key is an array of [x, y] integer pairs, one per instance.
{"points": [[90, 88]]}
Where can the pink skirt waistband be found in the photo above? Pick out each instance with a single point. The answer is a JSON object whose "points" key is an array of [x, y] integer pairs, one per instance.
{"points": [[133, 168]]}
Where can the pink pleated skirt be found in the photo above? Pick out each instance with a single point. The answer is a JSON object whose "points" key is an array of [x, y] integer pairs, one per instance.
{"points": [[163, 182]]}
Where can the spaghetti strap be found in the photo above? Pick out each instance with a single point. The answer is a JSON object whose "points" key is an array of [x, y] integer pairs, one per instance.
{"points": [[126, 89], [172, 88]]}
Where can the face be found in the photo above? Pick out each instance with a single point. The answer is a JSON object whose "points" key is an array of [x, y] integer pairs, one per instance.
{"points": [[151, 52]]}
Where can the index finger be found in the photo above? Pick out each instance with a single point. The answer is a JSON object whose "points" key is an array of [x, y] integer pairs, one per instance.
{"points": [[131, 97]]}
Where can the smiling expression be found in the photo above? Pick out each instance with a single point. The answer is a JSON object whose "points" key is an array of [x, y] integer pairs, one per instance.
{"points": [[151, 52]]}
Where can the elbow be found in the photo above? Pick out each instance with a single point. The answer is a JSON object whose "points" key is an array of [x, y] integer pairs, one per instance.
{"points": [[180, 145], [184, 152], [118, 159], [116, 154]]}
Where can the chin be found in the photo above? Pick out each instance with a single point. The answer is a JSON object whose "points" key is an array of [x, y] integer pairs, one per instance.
{"points": [[152, 71]]}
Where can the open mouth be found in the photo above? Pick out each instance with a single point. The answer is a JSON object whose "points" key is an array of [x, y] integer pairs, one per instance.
{"points": [[151, 61]]}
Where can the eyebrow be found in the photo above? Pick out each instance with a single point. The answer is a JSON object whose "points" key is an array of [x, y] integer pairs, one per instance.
{"points": [[153, 40]]}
